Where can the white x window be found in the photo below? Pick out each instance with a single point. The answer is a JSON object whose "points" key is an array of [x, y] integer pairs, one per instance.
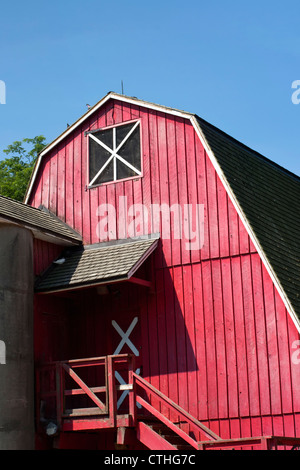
{"points": [[114, 153]]}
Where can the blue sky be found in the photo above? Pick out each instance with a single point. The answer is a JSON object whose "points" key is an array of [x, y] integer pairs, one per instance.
{"points": [[232, 63]]}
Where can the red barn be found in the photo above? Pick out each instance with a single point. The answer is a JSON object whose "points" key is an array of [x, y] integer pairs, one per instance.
{"points": [[175, 323]]}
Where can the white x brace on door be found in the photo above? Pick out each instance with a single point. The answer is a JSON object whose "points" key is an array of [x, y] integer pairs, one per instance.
{"points": [[125, 337], [125, 340]]}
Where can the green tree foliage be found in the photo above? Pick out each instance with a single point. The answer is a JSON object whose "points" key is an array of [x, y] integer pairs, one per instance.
{"points": [[16, 169]]}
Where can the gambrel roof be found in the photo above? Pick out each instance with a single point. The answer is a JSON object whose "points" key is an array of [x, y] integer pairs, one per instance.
{"points": [[264, 194]]}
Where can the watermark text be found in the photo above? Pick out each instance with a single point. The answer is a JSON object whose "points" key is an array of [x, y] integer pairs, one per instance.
{"points": [[296, 352], [2, 353], [178, 222], [2, 92], [296, 94]]}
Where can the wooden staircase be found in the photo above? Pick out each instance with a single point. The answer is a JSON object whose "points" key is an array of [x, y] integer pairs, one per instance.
{"points": [[164, 425], [157, 436]]}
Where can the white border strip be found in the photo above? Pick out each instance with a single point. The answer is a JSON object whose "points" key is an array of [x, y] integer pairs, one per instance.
{"points": [[246, 223]]}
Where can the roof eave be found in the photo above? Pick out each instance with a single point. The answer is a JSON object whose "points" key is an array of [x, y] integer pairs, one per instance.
{"points": [[81, 286], [41, 234]]}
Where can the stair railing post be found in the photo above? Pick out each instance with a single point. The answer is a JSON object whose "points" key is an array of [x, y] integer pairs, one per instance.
{"points": [[59, 394], [132, 393], [38, 398], [112, 393]]}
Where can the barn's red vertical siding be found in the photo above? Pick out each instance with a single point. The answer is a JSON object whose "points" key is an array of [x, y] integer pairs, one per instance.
{"points": [[175, 170], [44, 254], [216, 335]]}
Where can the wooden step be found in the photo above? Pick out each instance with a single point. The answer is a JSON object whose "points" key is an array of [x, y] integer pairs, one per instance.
{"points": [[174, 439], [74, 412], [152, 439], [160, 428], [170, 436], [184, 447]]}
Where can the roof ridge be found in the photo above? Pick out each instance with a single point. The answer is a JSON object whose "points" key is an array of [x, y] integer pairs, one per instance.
{"points": [[249, 149], [114, 95]]}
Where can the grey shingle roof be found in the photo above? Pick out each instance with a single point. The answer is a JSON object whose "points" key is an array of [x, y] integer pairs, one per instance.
{"points": [[95, 264], [269, 196], [39, 220]]}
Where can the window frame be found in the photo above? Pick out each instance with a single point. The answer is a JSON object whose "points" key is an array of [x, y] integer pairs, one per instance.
{"points": [[92, 131]]}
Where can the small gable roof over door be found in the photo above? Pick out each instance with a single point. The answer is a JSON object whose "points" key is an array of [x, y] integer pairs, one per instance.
{"points": [[96, 264]]}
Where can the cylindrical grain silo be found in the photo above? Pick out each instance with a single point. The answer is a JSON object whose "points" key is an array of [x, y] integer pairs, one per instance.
{"points": [[16, 336]]}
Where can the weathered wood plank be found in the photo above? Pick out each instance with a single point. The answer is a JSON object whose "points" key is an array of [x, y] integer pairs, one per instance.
{"points": [[84, 387]]}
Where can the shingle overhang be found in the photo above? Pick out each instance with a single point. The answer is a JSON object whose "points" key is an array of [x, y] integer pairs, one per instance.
{"points": [[96, 264], [41, 222]]}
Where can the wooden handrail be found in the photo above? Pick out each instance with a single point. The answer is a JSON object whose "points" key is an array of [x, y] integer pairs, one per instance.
{"points": [[84, 387], [108, 408], [79, 391], [109, 412], [85, 362], [167, 422], [173, 406]]}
